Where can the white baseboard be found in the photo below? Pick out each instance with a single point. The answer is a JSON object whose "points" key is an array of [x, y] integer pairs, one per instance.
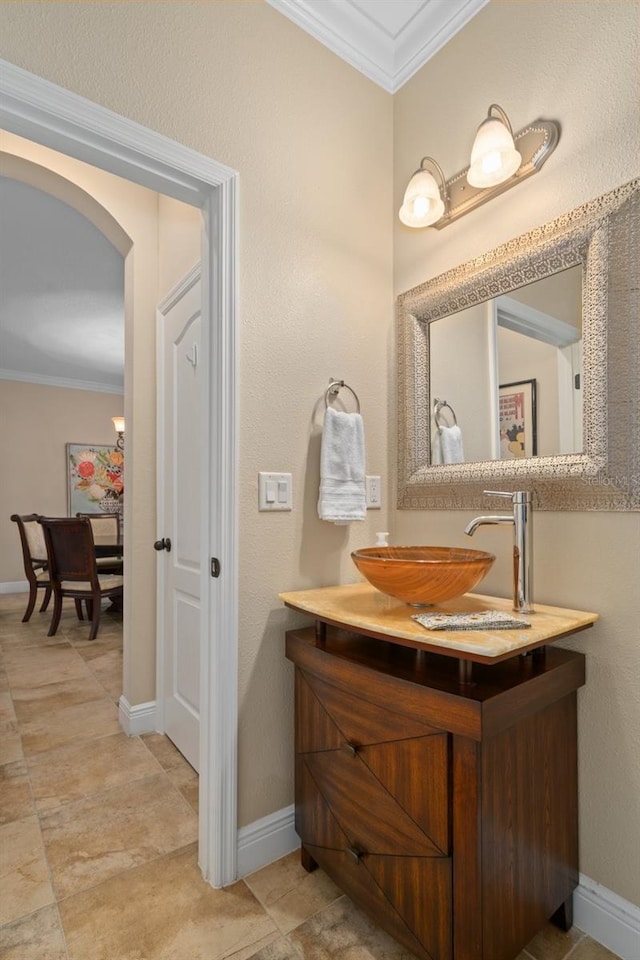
{"points": [[607, 918], [14, 586], [138, 719], [266, 840]]}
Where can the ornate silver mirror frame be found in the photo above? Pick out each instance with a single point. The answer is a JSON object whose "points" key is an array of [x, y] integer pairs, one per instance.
{"points": [[603, 236]]}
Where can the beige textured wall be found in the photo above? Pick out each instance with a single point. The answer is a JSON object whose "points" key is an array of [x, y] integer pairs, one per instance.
{"points": [[179, 241], [35, 424], [559, 295], [136, 210], [577, 63], [312, 141], [523, 358]]}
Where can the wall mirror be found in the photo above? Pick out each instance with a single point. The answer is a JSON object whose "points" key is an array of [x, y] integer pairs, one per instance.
{"points": [[532, 351]]}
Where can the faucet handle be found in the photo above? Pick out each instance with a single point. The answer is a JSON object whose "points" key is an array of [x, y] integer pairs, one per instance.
{"points": [[516, 496]]}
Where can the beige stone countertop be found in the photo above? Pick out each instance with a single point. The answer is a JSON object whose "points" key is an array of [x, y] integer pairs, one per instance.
{"points": [[361, 608]]}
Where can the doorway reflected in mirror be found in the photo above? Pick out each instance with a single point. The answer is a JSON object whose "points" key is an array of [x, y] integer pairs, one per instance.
{"points": [[532, 334]]}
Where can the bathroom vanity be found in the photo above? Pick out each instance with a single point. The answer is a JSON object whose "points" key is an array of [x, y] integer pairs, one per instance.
{"points": [[441, 798]]}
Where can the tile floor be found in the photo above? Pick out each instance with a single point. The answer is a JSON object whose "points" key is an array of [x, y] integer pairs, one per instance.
{"points": [[98, 832]]}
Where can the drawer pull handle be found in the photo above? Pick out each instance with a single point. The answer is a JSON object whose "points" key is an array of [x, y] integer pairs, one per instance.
{"points": [[349, 748], [355, 854]]}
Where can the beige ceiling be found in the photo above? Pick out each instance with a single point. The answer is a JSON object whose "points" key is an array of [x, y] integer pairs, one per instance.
{"points": [[62, 303]]}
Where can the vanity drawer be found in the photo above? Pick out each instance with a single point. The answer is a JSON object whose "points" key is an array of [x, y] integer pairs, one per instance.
{"points": [[410, 897], [370, 814], [328, 717]]}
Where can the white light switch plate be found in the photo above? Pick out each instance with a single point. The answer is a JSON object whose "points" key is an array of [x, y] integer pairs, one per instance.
{"points": [[275, 491]]}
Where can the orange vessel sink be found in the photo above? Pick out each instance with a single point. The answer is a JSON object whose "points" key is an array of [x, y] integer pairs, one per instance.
{"points": [[423, 575]]}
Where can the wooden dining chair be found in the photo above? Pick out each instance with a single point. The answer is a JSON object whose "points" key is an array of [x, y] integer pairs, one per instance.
{"points": [[106, 531], [34, 555], [73, 569]]}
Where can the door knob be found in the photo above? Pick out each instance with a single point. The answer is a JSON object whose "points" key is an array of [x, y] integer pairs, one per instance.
{"points": [[164, 544]]}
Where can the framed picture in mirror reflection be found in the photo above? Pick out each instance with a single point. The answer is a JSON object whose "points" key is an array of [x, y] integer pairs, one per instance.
{"points": [[518, 420]]}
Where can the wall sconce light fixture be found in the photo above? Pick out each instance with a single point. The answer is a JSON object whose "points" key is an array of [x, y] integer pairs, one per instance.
{"points": [[499, 160], [118, 424], [423, 203], [494, 157]]}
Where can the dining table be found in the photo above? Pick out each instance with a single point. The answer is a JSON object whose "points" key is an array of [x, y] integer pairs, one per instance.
{"points": [[114, 550], [109, 549]]}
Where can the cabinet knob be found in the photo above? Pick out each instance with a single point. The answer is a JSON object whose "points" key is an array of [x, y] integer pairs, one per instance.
{"points": [[355, 854], [350, 748]]}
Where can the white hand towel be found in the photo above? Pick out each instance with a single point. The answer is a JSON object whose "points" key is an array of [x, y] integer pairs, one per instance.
{"points": [[342, 488], [436, 449], [447, 446]]}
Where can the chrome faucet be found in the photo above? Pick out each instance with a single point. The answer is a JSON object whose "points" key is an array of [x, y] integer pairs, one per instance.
{"points": [[521, 519]]}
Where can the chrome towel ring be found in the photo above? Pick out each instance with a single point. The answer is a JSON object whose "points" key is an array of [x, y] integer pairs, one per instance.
{"points": [[334, 388], [438, 406]]}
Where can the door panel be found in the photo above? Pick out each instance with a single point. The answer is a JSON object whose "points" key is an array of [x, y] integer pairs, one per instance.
{"points": [[186, 664], [180, 407]]}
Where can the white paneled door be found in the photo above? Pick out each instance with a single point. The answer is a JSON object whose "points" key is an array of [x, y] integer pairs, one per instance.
{"points": [[179, 408]]}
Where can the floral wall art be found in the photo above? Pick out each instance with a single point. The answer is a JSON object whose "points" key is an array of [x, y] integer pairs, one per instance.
{"points": [[518, 420], [95, 477]]}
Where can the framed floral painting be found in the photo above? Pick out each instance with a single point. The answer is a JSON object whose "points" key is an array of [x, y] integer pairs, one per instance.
{"points": [[95, 479]]}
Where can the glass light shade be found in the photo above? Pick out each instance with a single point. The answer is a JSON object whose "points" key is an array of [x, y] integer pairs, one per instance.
{"points": [[494, 157], [422, 204], [118, 424]]}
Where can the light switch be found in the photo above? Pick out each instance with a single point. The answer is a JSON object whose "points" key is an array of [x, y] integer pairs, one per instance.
{"points": [[274, 491]]}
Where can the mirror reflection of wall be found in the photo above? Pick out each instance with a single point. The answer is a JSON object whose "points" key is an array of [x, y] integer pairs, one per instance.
{"points": [[533, 334], [460, 351]]}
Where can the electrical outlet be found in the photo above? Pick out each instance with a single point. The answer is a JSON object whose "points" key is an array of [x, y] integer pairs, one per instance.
{"points": [[374, 492]]}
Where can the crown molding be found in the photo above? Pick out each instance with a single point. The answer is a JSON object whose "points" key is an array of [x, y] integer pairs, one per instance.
{"points": [[368, 47], [46, 381]]}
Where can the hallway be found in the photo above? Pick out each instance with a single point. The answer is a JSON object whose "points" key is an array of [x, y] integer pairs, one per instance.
{"points": [[98, 831]]}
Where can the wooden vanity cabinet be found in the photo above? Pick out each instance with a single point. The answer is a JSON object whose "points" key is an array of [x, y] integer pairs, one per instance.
{"points": [[447, 812]]}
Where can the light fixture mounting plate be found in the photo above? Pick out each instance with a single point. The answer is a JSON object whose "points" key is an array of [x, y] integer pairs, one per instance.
{"points": [[535, 142]]}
